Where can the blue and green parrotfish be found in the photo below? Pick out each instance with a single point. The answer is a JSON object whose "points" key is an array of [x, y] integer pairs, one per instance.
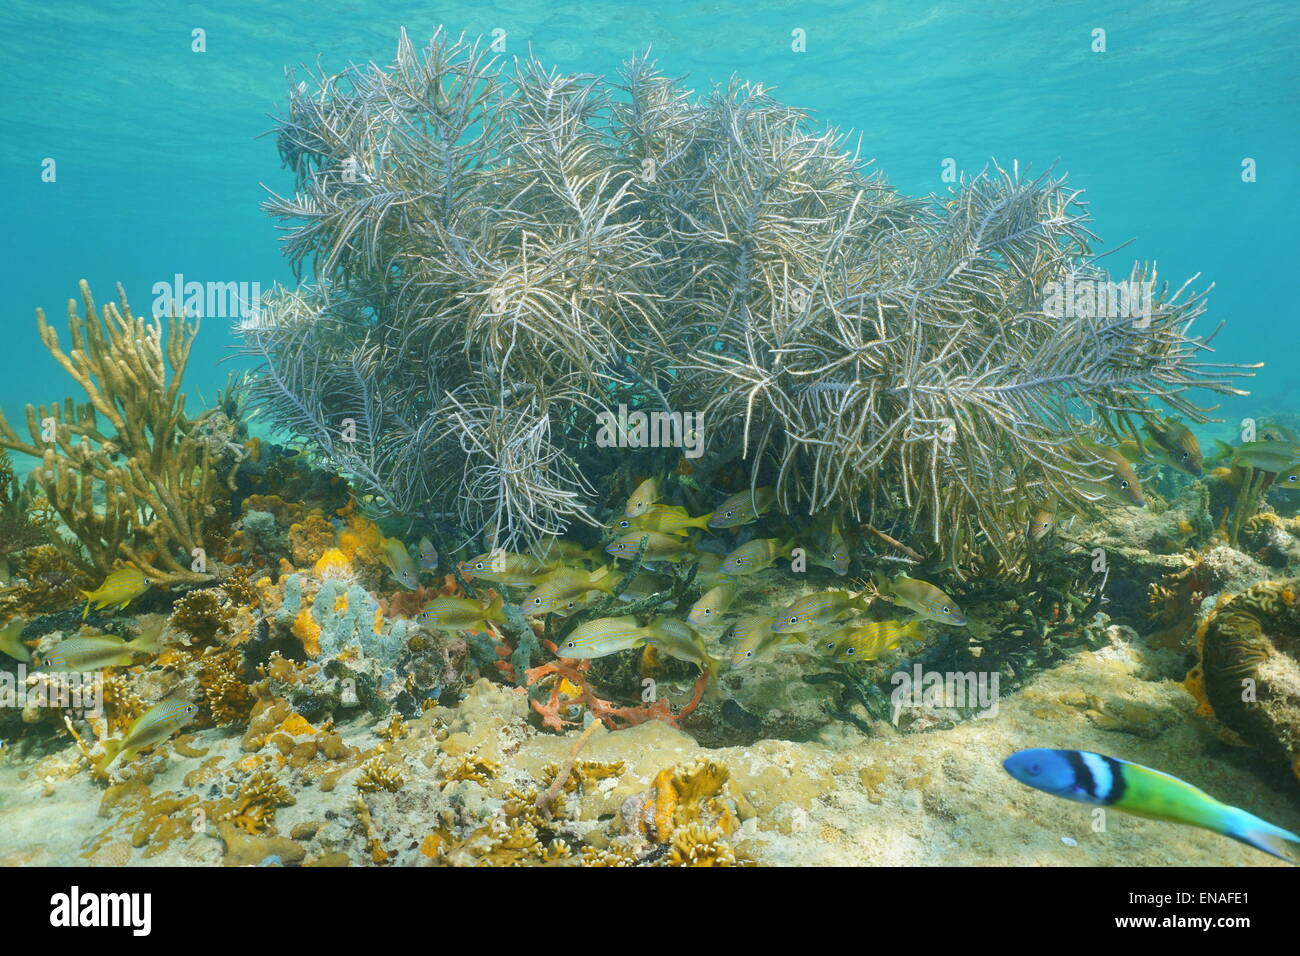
{"points": [[1103, 781]]}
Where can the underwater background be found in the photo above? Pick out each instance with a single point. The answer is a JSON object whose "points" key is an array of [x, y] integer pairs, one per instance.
{"points": [[359, 670], [160, 170]]}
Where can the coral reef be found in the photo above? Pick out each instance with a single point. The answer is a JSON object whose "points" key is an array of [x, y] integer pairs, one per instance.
{"points": [[129, 475], [1250, 668], [471, 317]]}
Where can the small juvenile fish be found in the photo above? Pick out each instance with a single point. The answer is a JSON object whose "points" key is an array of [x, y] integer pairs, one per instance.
{"points": [[394, 556], [710, 608], [1040, 522], [603, 636], [97, 652], [816, 609], [646, 494], [152, 727], [560, 589], [866, 642], [462, 614], [668, 519], [1177, 440], [922, 597], [754, 556], [1086, 777], [676, 639], [11, 641], [659, 546], [506, 567], [118, 590], [743, 507], [428, 555], [1123, 481]]}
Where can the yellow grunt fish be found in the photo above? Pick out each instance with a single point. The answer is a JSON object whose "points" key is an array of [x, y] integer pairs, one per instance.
{"points": [[668, 519], [11, 641], [1122, 483], [924, 598], [394, 556], [602, 637], [646, 494], [755, 555], [152, 727], [743, 507], [1178, 442], [97, 652], [506, 567], [866, 642], [710, 608], [560, 589], [814, 610], [118, 590], [462, 614], [676, 639], [755, 641], [658, 546]]}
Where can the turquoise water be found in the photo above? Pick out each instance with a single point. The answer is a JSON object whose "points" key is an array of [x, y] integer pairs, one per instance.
{"points": [[160, 170]]}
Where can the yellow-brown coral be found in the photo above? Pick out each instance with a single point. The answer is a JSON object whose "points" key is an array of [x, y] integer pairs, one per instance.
{"points": [[380, 774]]}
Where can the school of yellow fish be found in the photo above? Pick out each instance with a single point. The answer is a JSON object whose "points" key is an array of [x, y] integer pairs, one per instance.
{"points": [[560, 577]]}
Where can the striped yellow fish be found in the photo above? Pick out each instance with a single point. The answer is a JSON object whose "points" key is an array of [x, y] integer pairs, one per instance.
{"points": [[118, 590], [754, 556], [462, 614], [866, 642], [152, 727], [97, 652], [658, 547], [668, 519], [710, 608], [602, 637], [923, 598], [646, 494], [561, 589], [814, 610], [743, 507]]}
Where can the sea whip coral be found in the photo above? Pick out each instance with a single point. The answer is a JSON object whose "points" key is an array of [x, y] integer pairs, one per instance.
{"points": [[498, 258]]}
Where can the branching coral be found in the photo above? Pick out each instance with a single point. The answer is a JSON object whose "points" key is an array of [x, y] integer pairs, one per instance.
{"points": [[497, 258], [129, 445]]}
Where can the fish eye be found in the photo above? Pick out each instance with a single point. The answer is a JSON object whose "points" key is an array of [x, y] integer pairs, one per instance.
{"points": [[479, 566], [1292, 477], [1123, 483], [1034, 769], [945, 609], [852, 651], [625, 523]]}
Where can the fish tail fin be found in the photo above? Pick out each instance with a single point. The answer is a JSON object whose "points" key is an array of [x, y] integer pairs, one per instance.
{"points": [[911, 630], [113, 750], [146, 643], [1262, 835], [86, 612], [495, 609]]}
